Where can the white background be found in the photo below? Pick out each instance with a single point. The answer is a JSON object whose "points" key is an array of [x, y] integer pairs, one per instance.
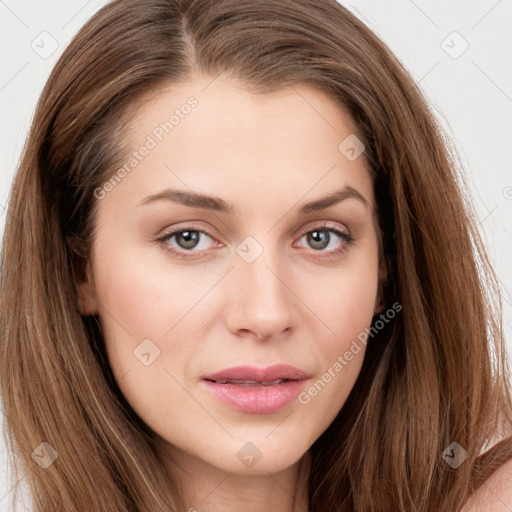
{"points": [[471, 95]]}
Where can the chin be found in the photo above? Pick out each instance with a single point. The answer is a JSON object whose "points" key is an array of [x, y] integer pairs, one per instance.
{"points": [[258, 456]]}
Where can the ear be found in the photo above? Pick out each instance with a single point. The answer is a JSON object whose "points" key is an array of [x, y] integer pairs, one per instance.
{"points": [[380, 300], [87, 297], [87, 303]]}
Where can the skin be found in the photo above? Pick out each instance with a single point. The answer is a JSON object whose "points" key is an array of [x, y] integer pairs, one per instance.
{"points": [[267, 155], [495, 493]]}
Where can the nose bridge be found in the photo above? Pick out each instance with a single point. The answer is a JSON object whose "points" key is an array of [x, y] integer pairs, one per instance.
{"points": [[260, 263], [263, 302]]}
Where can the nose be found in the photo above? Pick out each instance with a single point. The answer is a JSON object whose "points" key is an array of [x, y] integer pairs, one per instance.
{"points": [[262, 303]]}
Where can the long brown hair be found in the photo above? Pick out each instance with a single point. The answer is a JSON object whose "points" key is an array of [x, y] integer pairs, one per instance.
{"points": [[435, 375]]}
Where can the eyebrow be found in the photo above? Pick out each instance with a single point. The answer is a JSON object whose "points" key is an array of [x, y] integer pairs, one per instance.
{"points": [[197, 200]]}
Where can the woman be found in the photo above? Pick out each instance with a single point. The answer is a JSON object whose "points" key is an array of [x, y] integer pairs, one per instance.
{"points": [[238, 273]]}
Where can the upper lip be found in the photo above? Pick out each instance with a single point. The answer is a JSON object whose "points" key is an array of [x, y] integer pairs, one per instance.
{"points": [[277, 371]]}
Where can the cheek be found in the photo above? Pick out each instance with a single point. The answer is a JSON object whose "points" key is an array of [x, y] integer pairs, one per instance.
{"points": [[344, 301], [350, 314], [144, 297], [356, 305], [141, 300]]}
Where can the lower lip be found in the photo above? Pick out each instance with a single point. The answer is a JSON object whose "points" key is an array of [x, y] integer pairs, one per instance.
{"points": [[257, 399]]}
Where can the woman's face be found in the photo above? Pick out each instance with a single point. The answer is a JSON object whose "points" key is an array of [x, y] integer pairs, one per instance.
{"points": [[256, 278]]}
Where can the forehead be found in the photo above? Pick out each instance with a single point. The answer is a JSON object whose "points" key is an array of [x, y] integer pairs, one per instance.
{"points": [[223, 108], [212, 135]]}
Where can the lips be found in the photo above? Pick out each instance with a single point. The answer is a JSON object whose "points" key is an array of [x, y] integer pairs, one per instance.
{"points": [[250, 382], [256, 390], [251, 375]]}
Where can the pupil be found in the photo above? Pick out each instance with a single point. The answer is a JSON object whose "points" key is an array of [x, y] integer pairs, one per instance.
{"points": [[315, 238], [191, 238]]}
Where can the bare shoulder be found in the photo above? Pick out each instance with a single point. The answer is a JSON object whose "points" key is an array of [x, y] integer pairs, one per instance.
{"points": [[495, 494]]}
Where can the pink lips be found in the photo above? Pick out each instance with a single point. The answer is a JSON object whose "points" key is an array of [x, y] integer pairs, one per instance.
{"points": [[276, 371], [266, 393]]}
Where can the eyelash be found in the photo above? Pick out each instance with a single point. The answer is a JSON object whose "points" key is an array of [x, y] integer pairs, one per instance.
{"points": [[348, 240]]}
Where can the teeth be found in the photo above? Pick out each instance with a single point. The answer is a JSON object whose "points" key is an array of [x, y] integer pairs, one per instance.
{"points": [[272, 382], [263, 383]]}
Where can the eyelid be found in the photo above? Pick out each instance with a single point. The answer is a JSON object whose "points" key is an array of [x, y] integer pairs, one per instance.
{"points": [[319, 225], [191, 225], [186, 226]]}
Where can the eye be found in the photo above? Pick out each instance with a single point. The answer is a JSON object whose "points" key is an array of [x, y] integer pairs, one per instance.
{"points": [[321, 238], [188, 239]]}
